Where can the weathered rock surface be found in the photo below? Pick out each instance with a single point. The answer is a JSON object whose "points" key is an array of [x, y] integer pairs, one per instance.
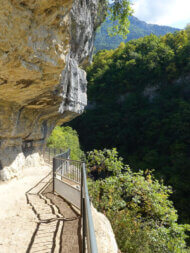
{"points": [[105, 237], [43, 47]]}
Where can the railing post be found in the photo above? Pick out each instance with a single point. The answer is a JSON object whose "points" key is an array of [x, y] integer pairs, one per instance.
{"points": [[81, 196], [54, 170], [82, 213], [90, 233], [67, 169], [83, 227]]}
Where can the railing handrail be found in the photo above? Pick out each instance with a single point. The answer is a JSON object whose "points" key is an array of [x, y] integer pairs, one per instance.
{"points": [[49, 153], [69, 160], [92, 247], [66, 152]]}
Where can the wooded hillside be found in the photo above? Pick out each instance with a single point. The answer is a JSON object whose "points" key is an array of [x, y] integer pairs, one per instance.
{"points": [[139, 102]]}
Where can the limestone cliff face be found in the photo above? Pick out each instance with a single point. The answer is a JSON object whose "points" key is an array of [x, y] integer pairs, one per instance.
{"points": [[43, 47]]}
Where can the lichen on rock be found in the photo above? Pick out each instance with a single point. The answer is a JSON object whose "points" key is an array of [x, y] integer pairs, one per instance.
{"points": [[44, 46]]}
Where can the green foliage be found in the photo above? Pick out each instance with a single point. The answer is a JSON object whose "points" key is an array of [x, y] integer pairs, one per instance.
{"points": [[139, 102], [187, 29], [64, 138], [138, 206], [104, 163], [119, 12]]}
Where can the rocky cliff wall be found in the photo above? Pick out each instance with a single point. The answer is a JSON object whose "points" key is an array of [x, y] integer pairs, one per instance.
{"points": [[44, 46], [105, 237]]}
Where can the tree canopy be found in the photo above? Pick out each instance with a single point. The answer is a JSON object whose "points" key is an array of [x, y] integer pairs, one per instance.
{"points": [[119, 11]]}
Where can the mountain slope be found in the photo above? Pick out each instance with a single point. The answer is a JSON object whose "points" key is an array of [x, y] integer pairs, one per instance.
{"points": [[137, 29]]}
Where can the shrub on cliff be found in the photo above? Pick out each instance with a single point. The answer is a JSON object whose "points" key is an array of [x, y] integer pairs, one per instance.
{"points": [[138, 206]]}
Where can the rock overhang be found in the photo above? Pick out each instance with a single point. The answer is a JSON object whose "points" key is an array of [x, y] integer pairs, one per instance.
{"points": [[43, 47]]}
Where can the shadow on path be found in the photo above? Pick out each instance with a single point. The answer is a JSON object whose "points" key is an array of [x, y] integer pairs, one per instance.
{"points": [[58, 226]]}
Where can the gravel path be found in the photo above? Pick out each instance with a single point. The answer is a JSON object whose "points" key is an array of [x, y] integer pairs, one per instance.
{"points": [[70, 232], [17, 218], [26, 205]]}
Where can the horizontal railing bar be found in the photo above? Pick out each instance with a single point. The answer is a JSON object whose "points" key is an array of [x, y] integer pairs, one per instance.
{"points": [[92, 237], [63, 159]]}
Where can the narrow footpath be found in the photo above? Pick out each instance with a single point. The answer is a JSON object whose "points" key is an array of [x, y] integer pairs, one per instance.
{"points": [[33, 219]]}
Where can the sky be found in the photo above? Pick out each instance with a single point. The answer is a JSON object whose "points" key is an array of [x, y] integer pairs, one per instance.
{"points": [[175, 13]]}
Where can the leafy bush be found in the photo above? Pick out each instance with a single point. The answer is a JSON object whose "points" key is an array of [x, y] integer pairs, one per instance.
{"points": [[64, 138], [138, 206], [104, 163]]}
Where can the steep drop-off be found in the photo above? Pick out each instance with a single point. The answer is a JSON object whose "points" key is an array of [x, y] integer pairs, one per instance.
{"points": [[43, 47]]}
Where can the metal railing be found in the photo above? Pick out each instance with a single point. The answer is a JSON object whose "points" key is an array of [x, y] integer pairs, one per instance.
{"points": [[50, 153], [89, 239], [69, 169], [67, 176]]}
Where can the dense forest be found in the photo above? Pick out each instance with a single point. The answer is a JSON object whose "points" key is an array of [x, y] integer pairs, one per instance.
{"points": [[137, 29], [139, 102], [139, 109]]}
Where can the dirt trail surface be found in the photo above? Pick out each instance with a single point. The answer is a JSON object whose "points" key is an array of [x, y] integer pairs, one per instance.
{"points": [[17, 219], [70, 230], [32, 218]]}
